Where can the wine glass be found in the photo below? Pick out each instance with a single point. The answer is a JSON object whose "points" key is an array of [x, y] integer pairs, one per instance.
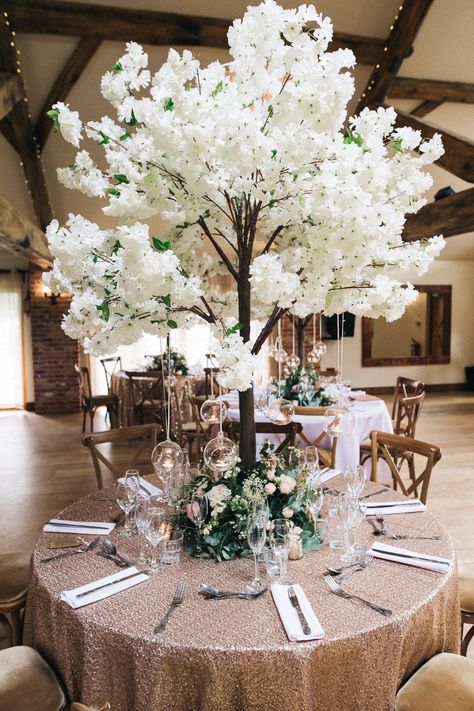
{"points": [[142, 520], [155, 532], [256, 536], [354, 479], [126, 494], [197, 512], [346, 514], [312, 461], [280, 540], [314, 501]]}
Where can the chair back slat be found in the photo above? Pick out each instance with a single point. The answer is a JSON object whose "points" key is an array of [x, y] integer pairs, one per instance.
{"points": [[290, 432], [405, 387], [408, 411], [144, 436], [111, 366]]}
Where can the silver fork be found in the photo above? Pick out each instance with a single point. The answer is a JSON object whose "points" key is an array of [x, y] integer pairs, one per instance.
{"points": [[337, 590], [178, 598], [367, 559], [84, 549]]}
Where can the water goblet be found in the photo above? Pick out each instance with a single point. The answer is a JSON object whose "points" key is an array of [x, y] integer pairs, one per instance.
{"points": [[155, 533], [142, 520], [126, 494], [354, 479], [314, 502], [347, 514], [197, 512], [280, 541], [256, 537]]}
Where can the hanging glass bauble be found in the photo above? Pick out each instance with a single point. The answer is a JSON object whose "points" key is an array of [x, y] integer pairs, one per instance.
{"points": [[272, 351], [166, 456], [280, 411], [220, 453], [281, 356], [312, 358], [338, 421], [320, 349], [293, 361], [213, 411]]}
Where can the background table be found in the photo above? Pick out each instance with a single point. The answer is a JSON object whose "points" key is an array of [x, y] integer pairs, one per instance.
{"points": [[233, 655], [368, 416]]}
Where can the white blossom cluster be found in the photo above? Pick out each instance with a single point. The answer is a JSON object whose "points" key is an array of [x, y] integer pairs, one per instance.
{"points": [[190, 143]]}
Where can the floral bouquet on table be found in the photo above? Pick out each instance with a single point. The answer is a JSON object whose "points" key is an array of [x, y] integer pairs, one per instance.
{"points": [[304, 385], [274, 481], [177, 363]]}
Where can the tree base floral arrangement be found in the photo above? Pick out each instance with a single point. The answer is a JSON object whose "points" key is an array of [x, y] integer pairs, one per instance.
{"points": [[274, 481], [304, 385], [177, 363]]}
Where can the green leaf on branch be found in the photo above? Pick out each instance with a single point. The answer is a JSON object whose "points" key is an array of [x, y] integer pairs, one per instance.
{"points": [[233, 329], [125, 135], [105, 138], [120, 178], [396, 145], [218, 89], [168, 104], [53, 114], [116, 67], [353, 138], [113, 191], [132, 121], [171, 324], [114, 251], [166, 300], [159, 245], [270, 110], [274, 152], [104, 310]]}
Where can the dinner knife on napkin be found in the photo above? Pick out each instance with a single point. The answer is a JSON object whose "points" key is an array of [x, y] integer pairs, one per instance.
{"points": [[295, 602], [111, 582], [78, 525]]}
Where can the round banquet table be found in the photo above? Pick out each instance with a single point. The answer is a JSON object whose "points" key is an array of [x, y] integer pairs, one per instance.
{"points": [[368, 416], [233, 655]]}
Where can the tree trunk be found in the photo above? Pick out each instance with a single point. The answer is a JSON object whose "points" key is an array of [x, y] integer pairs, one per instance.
{"points": [[247, 443]]}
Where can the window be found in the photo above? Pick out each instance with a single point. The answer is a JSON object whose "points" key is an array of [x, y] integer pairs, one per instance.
{"points": [[11, 342]]}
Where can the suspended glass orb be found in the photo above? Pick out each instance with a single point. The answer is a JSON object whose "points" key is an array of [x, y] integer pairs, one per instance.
{"points": [[320, 349], [212, 411], [281, 356], [220, 453], [272, 351], [312, 358], [338, 421], [166, 456], [293, 361], [280, 411]]}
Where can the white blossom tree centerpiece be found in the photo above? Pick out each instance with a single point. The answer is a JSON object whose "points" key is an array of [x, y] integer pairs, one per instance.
{"points": [[269, 200]]}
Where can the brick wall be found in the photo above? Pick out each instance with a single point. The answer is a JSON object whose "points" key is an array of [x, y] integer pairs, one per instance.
{"points": [[287, 336], [54, 353]]}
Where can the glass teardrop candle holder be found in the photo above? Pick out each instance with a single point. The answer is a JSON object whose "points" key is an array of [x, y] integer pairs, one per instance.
{"points": [[312, 358], [320, 349], [281, 356], [338, 421], [213, 411], [220, 454], [280, 411], [166, 456], [293, 361]]}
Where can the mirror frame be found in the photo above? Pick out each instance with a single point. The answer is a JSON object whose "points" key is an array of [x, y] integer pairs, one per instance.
{"points": [[368, 327]]}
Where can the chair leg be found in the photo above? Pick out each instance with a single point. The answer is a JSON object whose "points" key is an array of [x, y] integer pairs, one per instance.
{"points": [[465, 642], [16, 625], [84, 414], [8, 629]]}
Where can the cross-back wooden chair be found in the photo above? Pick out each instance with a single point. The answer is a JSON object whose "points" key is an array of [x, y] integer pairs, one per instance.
{"points": [[405, 387], [407, 415], [111, 366], [397, 449], [91, 403], [148, 396], [192, 431], [138, 456], [290, 432]]}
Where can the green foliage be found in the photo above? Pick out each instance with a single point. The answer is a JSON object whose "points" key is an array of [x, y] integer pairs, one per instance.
{"points": [[218, 89], [233, 329], [166, 300], [177, 362], [132, 121], [171, 324], [113, 191], [302, 380], [396, 145], [121, 178], [353, 138], [53, 114], [159, 245], [116, 67], [105, 138], [168, 104], [104, 310]]}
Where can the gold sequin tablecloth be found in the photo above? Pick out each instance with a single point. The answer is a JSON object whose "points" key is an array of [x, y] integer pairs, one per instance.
{"points": [[233, 655]]}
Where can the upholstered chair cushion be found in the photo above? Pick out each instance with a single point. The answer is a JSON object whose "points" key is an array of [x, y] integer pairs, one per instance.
{"points": [[99, 706], [14, 572], [27, 683], [466, 585], [444, 683]]}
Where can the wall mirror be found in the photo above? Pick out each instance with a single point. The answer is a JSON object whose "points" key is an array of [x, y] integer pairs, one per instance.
{"points": [[422, 336]]}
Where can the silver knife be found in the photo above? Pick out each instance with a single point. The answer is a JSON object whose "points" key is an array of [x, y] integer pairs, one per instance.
{"points": [[77, 525], [111, 582], [388, 506], [412, 557], [296, 604]]}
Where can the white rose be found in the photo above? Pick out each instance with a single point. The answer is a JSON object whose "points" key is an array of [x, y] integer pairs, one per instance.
{"points": [[270, 488], [287, 484], [217, 495], [287, 512]]}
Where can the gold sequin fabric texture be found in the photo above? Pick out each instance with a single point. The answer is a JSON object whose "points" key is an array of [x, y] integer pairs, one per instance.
{"points": [[233, 655]]}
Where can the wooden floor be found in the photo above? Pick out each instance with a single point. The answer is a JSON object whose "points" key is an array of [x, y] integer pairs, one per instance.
{"points": [[44, 467]]}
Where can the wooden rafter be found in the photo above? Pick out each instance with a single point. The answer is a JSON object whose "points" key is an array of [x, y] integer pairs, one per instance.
{"points": [[397, 47], [19, 130], [66, 79], [147, 26], [22, 237], [458, 155], [431, 90], [453, 215], [425, 108], [11, 92]]}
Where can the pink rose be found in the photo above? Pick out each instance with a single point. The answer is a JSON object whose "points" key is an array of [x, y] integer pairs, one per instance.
{"points": [[271, 474], [287, 512], [270, 488]]}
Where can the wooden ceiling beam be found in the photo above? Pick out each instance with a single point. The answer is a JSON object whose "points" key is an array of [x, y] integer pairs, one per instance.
{"points": [[11, 92], [425, 108], [431, 90], [147, 26], [453, 215], [21, 237], [20, 132], [458, 156], [66, 79], [398, 46]]}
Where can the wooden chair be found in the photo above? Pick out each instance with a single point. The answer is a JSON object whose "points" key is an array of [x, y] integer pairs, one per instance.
{"points": [[444, 683], [27, 682], [91, 403], [111, 366], [14, 575], [466, 592], [405, 387], [148, 396], [291, 431], [395, 450], [192, 431], [144, 436], [210, 384]]}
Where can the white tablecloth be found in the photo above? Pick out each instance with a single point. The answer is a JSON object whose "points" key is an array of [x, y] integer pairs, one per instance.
{"points": [[370, 415]]}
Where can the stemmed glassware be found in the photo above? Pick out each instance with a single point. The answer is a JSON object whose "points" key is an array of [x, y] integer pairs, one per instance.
{"points": [[197, 512], [256, 537], [280, 541], [142, 520], [351, 514], [126, 496], [155, 532], [354, 479]]}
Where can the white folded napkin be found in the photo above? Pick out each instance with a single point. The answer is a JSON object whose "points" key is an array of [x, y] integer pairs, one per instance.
{"points": [[420, 560], [384, 508], [289, 616], [356, 392], [119, 583], [328, 474], [87, 528], [145, 488]]}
